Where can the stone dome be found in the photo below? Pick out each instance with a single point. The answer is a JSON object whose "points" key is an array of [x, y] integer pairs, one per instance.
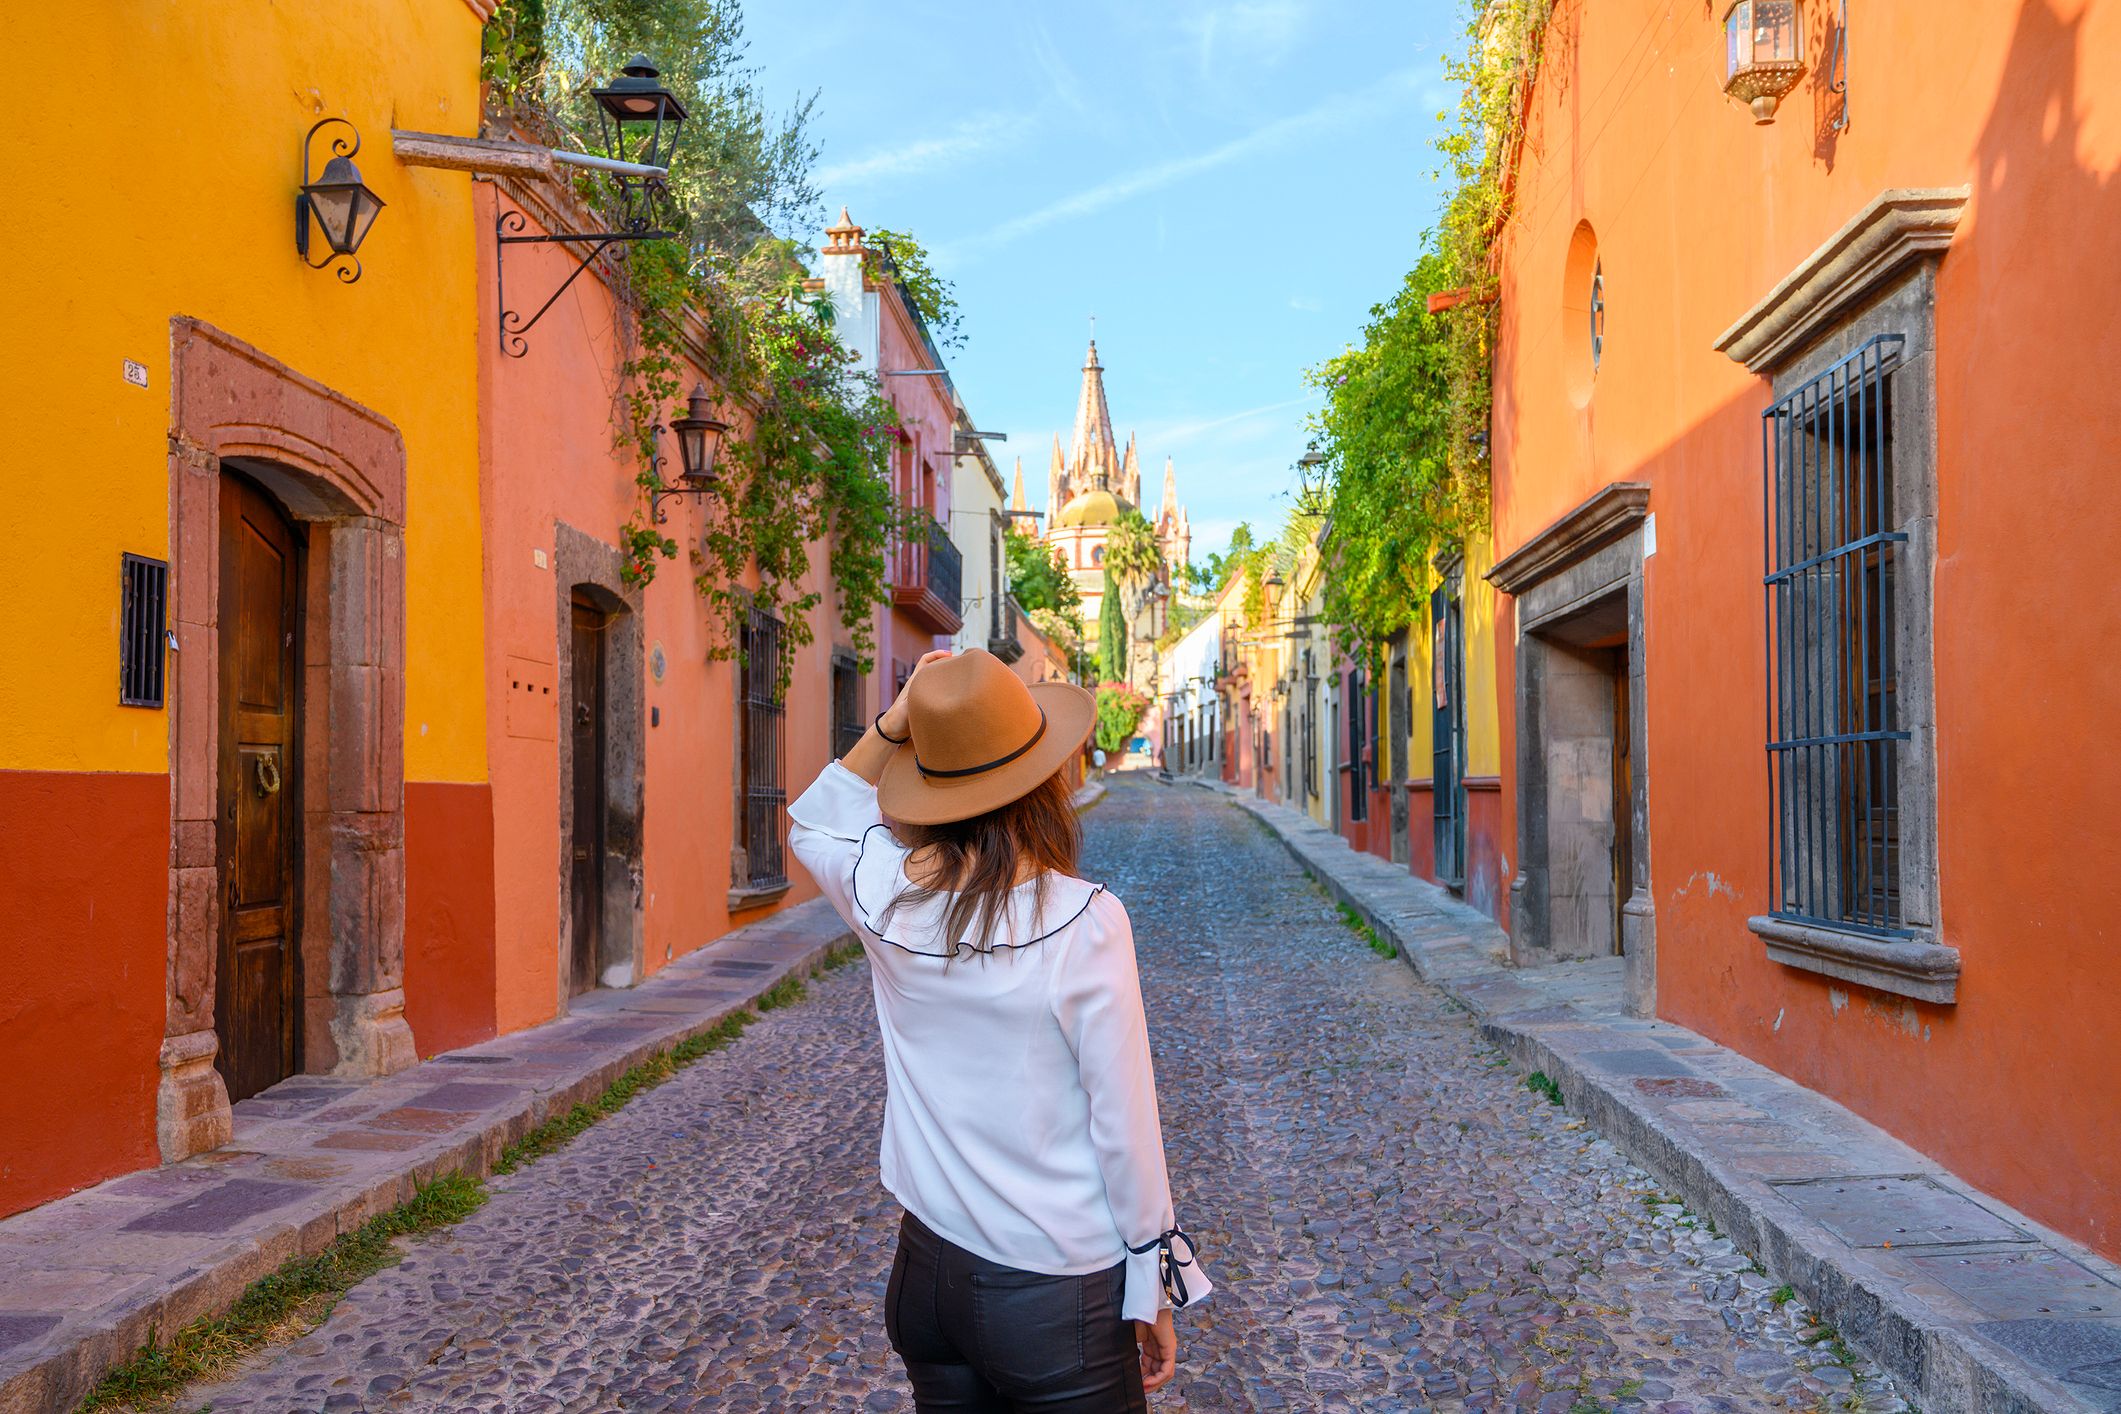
{"points": [[1097, 506]]}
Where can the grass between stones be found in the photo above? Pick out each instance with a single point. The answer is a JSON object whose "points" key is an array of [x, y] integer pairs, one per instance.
{"points": [[1381, 946], [295, 1298], [299, 1295]]}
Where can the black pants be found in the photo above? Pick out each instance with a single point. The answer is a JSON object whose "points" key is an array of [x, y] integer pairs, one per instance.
{"points": [[978, 1336]]}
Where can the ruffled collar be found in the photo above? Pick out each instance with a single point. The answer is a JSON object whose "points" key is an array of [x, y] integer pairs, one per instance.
{"points": [[880, 877]]}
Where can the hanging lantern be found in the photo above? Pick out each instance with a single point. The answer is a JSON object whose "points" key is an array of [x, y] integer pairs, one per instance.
{"points": [[699, 439], [1763, 44]]}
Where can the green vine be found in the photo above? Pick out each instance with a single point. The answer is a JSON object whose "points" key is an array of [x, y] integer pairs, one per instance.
{"points": [[1405, 423], [803, 473]]}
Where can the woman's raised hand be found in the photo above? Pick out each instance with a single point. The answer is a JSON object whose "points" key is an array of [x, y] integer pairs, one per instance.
{"points": [[894, 722]]}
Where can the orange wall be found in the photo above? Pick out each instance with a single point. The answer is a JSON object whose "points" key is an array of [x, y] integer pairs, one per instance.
{"points": [[547, 456], [1698, 213], [85, 860]]}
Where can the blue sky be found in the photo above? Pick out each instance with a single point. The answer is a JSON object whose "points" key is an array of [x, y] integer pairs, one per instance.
{"points": [[1227, 186]]}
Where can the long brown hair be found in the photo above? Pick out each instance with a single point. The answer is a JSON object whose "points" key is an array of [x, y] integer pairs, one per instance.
{"points": [[977, 860]]}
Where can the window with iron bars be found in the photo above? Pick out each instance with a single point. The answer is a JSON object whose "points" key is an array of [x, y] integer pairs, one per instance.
{"points": [[1835, 541], [848, 725], [762, 794]]}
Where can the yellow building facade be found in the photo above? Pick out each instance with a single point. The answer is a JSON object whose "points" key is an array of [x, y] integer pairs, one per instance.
{"points": [[300, 452]]}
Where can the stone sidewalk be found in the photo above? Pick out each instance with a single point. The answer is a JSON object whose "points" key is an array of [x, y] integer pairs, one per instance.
{"points": [[86, 1279], [1971, 1305]]}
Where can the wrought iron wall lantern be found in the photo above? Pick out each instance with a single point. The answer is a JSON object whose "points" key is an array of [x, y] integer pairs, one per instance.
{"points": [[1763, 49], [639, 120], [1311, 482], [699, 443], [338, 201]]}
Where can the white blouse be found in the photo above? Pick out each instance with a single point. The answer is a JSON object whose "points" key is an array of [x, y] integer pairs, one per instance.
{"points": [[1020, 1117]]}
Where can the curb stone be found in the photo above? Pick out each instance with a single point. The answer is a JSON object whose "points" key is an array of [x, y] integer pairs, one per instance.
{"points": [[2025, 1342], [87, 1279]]}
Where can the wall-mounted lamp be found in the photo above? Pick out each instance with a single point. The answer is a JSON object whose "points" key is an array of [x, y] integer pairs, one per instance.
{"points": [[1763, 53], [1311, 482], [640, 121], [699, 443], [341, 203]]}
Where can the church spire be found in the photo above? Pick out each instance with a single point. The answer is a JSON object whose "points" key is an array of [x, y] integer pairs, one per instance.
{"points": [[1130, 475], [1057, 492], [1016, 494], [1168, 507], [1092, 446]]}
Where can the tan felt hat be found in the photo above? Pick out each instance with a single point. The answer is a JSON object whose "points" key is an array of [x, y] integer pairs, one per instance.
{"points": [[977, 738]]}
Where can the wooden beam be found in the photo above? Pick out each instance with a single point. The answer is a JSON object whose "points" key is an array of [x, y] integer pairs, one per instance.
{"points": [[470, 154]]}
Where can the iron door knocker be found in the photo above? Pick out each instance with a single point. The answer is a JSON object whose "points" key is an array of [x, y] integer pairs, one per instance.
{"points": [[268, 772]]}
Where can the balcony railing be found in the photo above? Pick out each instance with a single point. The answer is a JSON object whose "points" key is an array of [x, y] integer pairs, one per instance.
{"points": [[1004, 644], [927, 575]]}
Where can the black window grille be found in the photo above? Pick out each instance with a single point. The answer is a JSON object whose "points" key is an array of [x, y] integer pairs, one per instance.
{"points": [[1833, 548], [143, 630], [847, 724], [1358, 745], [763, 797]]}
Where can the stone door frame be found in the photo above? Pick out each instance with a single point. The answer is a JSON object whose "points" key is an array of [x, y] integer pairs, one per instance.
{"points": [[338, 469], [1589, 558], [585, 565]]}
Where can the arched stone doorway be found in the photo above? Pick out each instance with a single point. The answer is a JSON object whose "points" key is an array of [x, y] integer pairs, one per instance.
{"points": [[337, 472], [601, 767]]}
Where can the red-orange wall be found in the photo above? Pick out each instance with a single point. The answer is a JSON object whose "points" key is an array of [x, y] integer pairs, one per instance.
{"points": [[548, 455], [1698, 214], [449, 938], [84, 892]]}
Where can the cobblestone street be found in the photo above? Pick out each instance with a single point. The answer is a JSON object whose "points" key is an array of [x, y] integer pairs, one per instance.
{"points": [[1394, 1221]]}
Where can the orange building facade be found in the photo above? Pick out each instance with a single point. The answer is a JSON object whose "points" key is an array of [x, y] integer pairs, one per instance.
{"points": [[339, 736], [1802, 510]]}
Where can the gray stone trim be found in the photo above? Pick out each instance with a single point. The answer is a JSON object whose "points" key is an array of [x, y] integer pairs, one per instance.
{"points": [[1609, 513], [1916, 967], [1585, 568], [1906, 307], [580, 561], [741, 899], [1899, 226]]}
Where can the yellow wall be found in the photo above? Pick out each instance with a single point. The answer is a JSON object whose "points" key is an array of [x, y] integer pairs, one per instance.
{"points": [[151, 172], [1477, 615], [1477, 612]]}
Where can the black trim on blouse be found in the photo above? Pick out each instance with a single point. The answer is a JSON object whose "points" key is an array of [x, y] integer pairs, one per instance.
{"points": [[854, 880]]}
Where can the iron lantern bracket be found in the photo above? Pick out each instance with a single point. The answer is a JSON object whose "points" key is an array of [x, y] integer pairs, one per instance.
{"points": [[662, 490], [514, 326]]}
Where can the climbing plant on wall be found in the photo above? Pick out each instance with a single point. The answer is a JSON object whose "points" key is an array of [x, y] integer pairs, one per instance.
{"points": [[1405, 422], [806, 463]]}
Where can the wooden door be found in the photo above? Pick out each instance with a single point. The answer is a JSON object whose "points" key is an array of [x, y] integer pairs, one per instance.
{"points": [[586, 792], [259, 799]]}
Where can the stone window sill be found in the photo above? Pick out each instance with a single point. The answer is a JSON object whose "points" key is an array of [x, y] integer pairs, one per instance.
{"points": [[1915, 967], [741, 899]]}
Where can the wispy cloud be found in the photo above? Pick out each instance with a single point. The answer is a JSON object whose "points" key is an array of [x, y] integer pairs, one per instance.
{"points": [[970, 138], [1259, 26], [1304, 303], [1061, 78], [1177, 434], [1339, 111]]}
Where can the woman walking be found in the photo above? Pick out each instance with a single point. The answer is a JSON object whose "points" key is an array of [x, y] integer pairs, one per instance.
{"points": [[1039, 1258]]}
